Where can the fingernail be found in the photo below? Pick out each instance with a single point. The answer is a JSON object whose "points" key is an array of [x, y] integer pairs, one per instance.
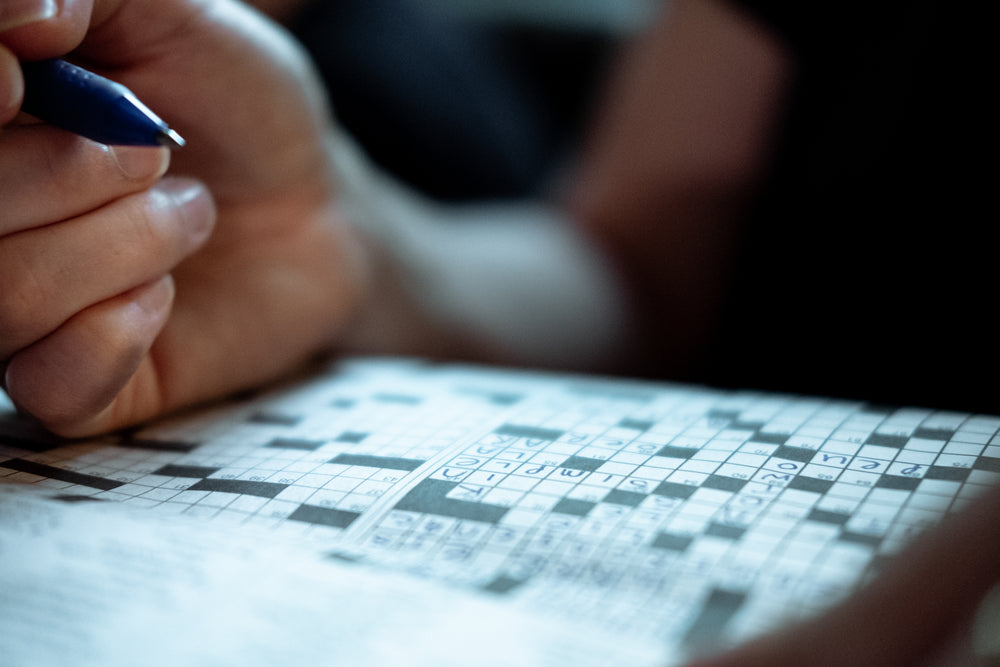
{"points": [[192, 199], [11, 91], [139, 163], [16, 13], [157, 297]]}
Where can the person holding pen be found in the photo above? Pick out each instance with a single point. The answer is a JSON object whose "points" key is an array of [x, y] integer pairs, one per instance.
{"points": [[136, 281], [103, 322], [233, 260]]}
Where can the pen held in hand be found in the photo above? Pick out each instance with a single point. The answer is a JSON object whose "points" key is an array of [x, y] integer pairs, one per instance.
{"points": [[92, 106]]}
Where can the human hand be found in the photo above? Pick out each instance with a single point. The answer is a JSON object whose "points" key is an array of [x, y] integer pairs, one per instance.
{"points": [[117, 304], [925, 609]]}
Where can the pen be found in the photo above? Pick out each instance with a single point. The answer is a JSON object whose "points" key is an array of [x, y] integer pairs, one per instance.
{"points": [[92, 106]]}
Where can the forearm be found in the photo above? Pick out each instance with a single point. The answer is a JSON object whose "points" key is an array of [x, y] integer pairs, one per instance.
{"points": [[678, 145]]}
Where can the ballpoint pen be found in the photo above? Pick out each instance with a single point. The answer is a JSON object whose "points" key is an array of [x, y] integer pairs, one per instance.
{"points": [[92, 106]]}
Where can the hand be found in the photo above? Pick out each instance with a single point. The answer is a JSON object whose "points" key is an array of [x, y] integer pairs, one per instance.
{"points": [[920, 611], [117, 304]]}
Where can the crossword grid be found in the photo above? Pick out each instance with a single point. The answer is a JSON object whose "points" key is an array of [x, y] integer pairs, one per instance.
{"points": [[666, 511], [309, 461], [629, 503]]}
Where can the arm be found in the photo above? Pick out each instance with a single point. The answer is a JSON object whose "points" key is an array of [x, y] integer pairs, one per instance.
{"points": [[675, 150], [925, 609], [503, 282], [681, 138], [118, 305]]}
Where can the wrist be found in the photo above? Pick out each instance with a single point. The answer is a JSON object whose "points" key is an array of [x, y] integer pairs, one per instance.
{"points": [[511, 283]]}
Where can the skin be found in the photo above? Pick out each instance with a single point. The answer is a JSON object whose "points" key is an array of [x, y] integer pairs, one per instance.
{"points": [[679, 143], [179, 319], [136, 282], [917, 613], [675, 149], [133, 282]]}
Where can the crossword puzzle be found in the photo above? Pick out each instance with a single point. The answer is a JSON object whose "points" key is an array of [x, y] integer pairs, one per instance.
{"points": [[669, 511]]}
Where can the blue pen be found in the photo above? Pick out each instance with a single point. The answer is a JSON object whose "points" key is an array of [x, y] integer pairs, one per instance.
{"points": [[92, 106]]}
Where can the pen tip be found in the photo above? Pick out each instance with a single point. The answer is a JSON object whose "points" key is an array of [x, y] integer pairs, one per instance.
{"points": [[170, 139]]}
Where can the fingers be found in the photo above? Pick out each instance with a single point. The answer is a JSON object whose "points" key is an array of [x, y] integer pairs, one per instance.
{"points": [[17, 13], [204, 67], [80, 239], [32, 30], [916, 608], [84, 300], [35, 29], [11, 86], [52, 273], [68, 379], [48, 175]]}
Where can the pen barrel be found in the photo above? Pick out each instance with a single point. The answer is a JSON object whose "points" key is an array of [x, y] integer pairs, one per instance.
{"points": [[87, 104]]}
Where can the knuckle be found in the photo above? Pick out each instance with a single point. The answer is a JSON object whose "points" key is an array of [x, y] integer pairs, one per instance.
{"points": [[22, 302], [151, 235]]}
